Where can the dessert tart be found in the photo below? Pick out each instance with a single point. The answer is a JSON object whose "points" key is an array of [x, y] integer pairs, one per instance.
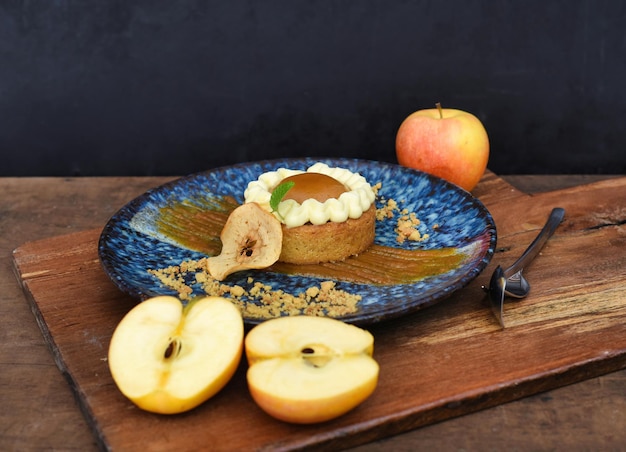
{"points": [[328, 215]]}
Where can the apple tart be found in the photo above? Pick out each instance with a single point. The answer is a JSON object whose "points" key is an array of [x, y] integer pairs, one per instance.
{"points": [[328, 215]]}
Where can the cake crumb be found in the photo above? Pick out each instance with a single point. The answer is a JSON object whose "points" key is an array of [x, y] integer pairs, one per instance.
{"points": [[407, 228], [387, 211], [407, 225], [258, 300]]}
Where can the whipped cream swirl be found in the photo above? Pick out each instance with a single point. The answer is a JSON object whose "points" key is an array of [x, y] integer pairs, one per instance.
{"points": [[350, 204]]}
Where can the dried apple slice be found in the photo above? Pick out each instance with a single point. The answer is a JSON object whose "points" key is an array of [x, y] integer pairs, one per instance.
{"points": [[252, 238]]}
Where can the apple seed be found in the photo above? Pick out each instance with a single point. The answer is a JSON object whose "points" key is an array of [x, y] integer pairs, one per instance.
{"points": [[248, 247], [317, 355], [173, 348]]}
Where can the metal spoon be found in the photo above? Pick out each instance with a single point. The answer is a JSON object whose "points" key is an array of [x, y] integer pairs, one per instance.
{"points": [[511, 281]]}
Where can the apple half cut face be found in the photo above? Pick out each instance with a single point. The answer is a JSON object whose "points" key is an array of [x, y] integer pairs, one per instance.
{"points": [[168, 359], [305, 369]]}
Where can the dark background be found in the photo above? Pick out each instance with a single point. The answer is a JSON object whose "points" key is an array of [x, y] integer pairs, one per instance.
{"points": [[134, 87]]}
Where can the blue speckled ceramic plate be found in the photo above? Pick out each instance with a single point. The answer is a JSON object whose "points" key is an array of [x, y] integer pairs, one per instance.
{"points": [[133, 242]]}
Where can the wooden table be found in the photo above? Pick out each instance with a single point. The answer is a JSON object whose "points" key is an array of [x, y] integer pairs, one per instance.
{"points": [[39, 412]]}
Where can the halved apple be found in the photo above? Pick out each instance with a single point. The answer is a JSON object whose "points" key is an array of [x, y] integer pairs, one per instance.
{"points": [[167, 358], [307, 369]]}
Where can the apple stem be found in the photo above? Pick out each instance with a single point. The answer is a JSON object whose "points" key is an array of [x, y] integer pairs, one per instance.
{"points": [[438, 105]]}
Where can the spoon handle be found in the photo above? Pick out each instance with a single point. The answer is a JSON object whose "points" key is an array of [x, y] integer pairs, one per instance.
{"points": [[555, 218]]}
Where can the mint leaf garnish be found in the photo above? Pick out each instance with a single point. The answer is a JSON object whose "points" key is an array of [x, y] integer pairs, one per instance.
{"points": [[279, 193]]}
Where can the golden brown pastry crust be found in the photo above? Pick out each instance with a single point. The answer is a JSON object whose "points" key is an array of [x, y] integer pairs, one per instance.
{"points": [[312, 244]]}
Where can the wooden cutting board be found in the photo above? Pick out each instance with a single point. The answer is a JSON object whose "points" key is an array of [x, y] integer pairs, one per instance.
{"points": [[444, 361]]}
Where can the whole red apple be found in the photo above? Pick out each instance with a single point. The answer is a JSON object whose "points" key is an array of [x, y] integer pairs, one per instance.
{"points": [[448, 143]]}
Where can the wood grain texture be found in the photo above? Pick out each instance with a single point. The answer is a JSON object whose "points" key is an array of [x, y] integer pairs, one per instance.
{"points": [[39, 411], [439, 363]]}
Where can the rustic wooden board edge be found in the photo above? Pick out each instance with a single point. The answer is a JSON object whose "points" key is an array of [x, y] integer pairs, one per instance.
{"points": [[24, 280], [368, 431], [64, 369], [471, 403], [450, 409]]}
